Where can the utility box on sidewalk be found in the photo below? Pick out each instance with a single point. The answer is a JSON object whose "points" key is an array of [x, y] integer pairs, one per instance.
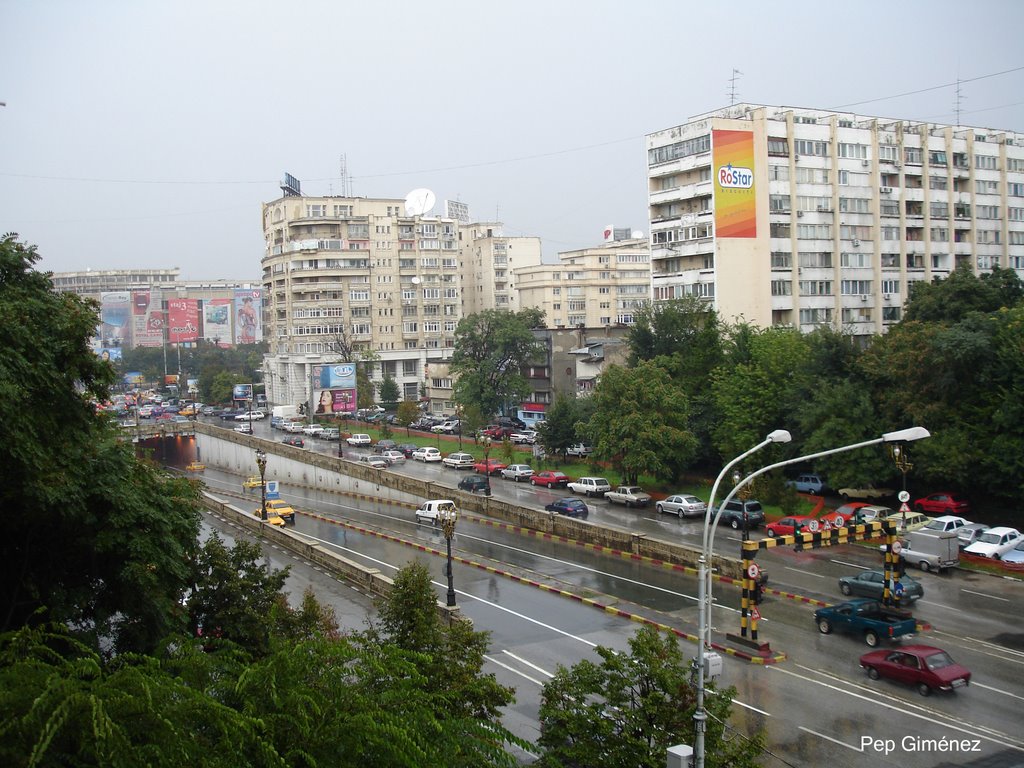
{"points": [[712, 665], [679, 756]]}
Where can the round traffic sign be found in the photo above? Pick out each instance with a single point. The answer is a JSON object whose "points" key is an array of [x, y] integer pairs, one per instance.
{"points": [[899, 588], [903, 496], [753, 571], [812, 526], [896, 547]]}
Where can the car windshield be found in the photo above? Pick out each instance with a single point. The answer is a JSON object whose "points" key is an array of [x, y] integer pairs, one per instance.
{"points": [[938, 660], [989, 538]]}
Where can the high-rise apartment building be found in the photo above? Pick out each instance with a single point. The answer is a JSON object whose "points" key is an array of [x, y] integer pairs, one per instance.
{"points": [[593, 287], [803, 217], [353, 274]]}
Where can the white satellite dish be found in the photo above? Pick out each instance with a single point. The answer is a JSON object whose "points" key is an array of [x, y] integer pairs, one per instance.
{"points": [[415, 281], [419, 202], [637, 234]]}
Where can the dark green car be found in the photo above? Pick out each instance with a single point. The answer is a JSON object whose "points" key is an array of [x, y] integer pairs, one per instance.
{"points": [[871, 584]]}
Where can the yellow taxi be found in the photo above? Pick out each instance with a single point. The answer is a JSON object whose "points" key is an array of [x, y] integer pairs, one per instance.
{"points": [[272, 518], [251, 482], [279, 508], [195, 466]]}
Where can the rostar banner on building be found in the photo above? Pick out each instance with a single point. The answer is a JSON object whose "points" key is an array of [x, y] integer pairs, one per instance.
{"points": [[248, 314], [334, 388], [732, 160], [182, 320]]}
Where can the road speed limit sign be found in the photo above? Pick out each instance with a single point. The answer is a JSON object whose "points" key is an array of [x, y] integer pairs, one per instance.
{"points": [[896, 547], [753, 571]]}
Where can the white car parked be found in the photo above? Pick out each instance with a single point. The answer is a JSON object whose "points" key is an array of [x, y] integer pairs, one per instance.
{"points": [[995, 542], [426, 454], [250, 416], [358, 440], [459, 460]]}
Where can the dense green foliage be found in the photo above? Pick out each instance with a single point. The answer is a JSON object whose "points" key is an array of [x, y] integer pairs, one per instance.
{"points": [[626, 711], [491, 348], [216, 368]]}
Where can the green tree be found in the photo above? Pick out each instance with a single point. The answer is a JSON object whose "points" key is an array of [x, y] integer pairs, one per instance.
{"points": [[640, 422], [626, 710], [388, 390], [99, 540], [491, 348], [963, 293], [558, 430], [407, 413]]}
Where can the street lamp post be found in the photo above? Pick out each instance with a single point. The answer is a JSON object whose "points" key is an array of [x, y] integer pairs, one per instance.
{"points": [[448, 517], [704, 602], [261, 462], [487, 461]]}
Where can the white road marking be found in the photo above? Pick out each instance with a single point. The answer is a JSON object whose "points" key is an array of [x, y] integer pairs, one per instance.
{"points": [[755, 709], [531, 665], [514, 671], [829, 738], [798, 570], [982, 594]]}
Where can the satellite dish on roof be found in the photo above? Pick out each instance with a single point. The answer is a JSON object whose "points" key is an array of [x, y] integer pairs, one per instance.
{"points": [[419, 202], [637, 234], [415, 281]]}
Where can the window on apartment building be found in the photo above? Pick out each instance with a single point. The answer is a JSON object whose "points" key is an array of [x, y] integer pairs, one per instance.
{"points": [[778, 147], [815, 259], [814, 231], [778, 203], [937, 157], [1015, 262], [805, 203], [854, 205], [853, 151], [816, 287], [856, 315], [854, 232], [856, 259], [343, 210], [1014, 214], [890, 260], [1014, 189], [888, 152], [890, 233], [989, 236], [940, 234], [359, 296], [982, 212], [410, 326], [779, 229], [777, 172], [782, 287], [889, 207], [362, 329], [938, 182], [782, 260], [986, 162], [431, 293], [812, 175], [316, 211], [855, 287], [816, 316], [666, 154], [890, 314], [988, 187], [603, 289], [890, 286], [1016, 237], [938, 210], [810, 148], [912, 155]]}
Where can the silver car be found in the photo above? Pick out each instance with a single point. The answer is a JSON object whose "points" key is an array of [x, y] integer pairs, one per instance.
{"points": [[683, 505]]}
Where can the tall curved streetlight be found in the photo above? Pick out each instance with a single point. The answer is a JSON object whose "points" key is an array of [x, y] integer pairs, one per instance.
{"points": [[710, 525], [261, 462], [449, 515]]}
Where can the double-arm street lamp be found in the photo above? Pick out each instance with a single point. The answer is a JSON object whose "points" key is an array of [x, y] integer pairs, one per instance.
{"points": [[261, 462], [449, 514], [710, 524]]}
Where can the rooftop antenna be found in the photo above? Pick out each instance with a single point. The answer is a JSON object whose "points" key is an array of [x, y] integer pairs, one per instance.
{"points": [[958, 98], [346, 180], [732, 87]]}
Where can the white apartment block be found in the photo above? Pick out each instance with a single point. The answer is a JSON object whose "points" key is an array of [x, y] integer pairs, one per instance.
{"points": [[803, 217], [593, 287], [360, 272]]}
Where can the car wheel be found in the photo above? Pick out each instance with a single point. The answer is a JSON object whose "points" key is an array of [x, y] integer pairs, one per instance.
{"points": [[825, 626], [734, 524], [924, 689], [629, 505], [871, 638], [845, 589], [923, 565], [846, 496], [873, 673], [771, 533], [533, 482], [660, 509]]}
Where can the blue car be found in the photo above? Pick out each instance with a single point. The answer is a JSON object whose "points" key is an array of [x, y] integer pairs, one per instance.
{"points": [[569, 507]]}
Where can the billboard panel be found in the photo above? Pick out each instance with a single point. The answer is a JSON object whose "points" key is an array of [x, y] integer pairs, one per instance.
{"points": [[115, 329], [248, 315], [183, 320], [735, 193], [147, 319], [334, 389], [242, 392], [217, 321]]}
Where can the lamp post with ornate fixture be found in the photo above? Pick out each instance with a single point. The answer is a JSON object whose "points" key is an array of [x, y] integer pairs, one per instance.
{"points": [[261, 462], [448, 517]]}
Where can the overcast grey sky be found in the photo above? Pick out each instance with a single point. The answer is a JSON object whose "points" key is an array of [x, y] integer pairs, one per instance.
{"points": [[145, 134]]}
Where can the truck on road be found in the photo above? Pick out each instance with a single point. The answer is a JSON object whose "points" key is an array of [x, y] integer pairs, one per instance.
{"points": [[867, 618], [630, 495], [931, 550], [285, 411]]}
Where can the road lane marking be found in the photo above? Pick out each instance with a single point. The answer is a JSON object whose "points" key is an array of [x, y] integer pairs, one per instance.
{"points": [[514, 671], [755, 709], [521, 660], [799, 570], [975, 684], [982, 594], [852, 565], [829, 738]]}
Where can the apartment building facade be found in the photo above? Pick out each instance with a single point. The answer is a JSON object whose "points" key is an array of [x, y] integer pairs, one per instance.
{"points": [[804, 217], [346, 275], [596, 287]]}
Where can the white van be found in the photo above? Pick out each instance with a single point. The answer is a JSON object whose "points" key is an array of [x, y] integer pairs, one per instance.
{"points": [[431, 511]]}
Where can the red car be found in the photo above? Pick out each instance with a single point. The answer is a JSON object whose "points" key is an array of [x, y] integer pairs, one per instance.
{"points": [[943, 503], [923, 666], [489, 467], [550, 479]]}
